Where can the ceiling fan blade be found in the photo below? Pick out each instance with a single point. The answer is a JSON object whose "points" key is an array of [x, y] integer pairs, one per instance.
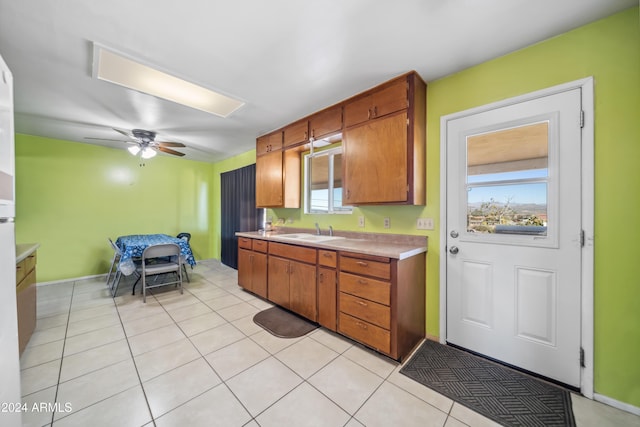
{"points": [[170, 144], [105, 139], [128, 135], [169, 151]]}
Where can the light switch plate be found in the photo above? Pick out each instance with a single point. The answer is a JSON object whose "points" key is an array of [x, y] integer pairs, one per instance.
{"points": [[387, 222], [425, 224]]}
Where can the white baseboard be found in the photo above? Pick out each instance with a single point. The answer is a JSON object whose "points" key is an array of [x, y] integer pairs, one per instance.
{"points": [[616, 404], [73, 279]]}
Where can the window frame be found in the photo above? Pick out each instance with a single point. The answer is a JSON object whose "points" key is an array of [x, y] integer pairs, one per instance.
{"points": [[330, 152]]}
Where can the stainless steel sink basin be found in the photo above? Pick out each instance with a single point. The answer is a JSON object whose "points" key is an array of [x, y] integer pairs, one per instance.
{"points": [[307, 237]]}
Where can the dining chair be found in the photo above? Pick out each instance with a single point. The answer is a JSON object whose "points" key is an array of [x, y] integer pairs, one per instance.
{"points": [[116, 258], [165, 259], [187, 237]]}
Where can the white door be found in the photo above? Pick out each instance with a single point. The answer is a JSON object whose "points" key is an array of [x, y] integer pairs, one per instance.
{"points": [[514, 234]]}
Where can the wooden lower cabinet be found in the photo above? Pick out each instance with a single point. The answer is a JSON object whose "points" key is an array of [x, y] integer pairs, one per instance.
{"points": [[377, 301], [252, 271], [382, 301], [292, 278], [327, 304]]}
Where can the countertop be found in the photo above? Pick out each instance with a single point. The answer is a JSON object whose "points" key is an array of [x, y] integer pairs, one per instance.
{"points": [[398, 246], [23, 250]]}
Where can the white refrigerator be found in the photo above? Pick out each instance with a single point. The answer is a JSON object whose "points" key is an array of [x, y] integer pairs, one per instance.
{"points": [[9, 354]]}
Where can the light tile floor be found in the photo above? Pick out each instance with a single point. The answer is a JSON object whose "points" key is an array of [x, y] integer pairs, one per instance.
{"points": [[197, 359]]}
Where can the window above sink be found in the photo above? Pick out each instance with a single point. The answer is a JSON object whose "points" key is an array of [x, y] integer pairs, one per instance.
{"points": [[323, 181]]}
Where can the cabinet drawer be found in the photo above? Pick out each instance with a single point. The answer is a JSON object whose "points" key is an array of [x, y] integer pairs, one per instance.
{"points": [[260, 246], [366, 267], [30, 262], [21, 271], [244, 242], [327, 258], [372, 312], [299, 253], [364, 287], [365, 332]]}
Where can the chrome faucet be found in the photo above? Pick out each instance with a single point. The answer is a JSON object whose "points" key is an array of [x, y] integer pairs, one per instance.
{"points": [[330, 231], [317, 229]]}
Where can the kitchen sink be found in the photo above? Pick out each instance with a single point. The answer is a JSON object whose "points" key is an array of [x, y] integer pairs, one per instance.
{"points": [[307, 237]]}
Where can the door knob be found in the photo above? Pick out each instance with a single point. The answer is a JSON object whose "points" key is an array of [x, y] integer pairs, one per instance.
{"points": [[454, 250], [453, 234]]}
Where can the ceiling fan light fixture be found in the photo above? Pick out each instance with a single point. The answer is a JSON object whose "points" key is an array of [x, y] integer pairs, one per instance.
{"points": [[148, 153], [118, 69], [134, 149]]}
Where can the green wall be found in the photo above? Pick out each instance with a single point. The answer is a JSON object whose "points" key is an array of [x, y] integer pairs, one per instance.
{"points": [[608, 50], [70, 197]]}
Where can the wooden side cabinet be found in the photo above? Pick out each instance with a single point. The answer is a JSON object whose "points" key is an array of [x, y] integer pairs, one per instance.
{"points": [[26, 294]]}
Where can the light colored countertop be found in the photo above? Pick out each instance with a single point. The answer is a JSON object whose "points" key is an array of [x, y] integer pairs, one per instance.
{"points": [[23, 250], [398, 246]]}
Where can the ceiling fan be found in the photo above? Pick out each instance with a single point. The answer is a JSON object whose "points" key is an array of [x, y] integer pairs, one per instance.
{"points": [[144, 143]]}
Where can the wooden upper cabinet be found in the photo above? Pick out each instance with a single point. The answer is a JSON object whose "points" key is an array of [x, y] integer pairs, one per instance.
{"points": [[384, 152], [377, 103], [296, 133], [268, 143], [326, 122], [269, 180]]}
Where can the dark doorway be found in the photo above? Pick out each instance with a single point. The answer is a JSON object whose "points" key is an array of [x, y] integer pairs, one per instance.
{"points": [[239, 213]]}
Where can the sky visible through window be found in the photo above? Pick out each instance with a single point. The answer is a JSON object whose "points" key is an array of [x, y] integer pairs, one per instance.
{"points": [[522, 192]]}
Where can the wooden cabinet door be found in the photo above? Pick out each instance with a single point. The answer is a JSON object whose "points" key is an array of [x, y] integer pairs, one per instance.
{"points": [[302, 288], [327, 303], [326, 122], [377, 104], [244, 269], [375, 161], [296, 133], [268, 143], [269, 179], [390, 99], [259, 274], [278, 281]]}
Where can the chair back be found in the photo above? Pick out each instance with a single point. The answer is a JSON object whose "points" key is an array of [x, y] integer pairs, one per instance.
{"points": [[184, 236], [114, 246], [162, 250]]}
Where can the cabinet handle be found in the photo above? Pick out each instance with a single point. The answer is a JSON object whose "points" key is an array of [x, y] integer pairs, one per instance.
{"points": [[369, 114], [363, 282], [362, 263], [362, 325], [362, 303], [326, 254], [321, 277], [375, 112], [306, 135]]}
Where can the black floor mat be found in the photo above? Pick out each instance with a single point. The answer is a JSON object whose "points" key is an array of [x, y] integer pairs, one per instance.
{"points": [[505, 395], [283, 323]]}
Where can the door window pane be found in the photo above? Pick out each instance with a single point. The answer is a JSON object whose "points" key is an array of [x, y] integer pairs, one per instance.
{"points": [[507, 174]]}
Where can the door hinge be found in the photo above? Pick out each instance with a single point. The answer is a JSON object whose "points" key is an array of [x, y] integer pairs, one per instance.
{"points": [[582, 357], [581, 119], [582, 238]]}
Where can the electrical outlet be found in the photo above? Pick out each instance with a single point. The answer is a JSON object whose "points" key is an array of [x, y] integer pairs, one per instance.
{"points": [[387, 223], [360, 221], [425, 224]]}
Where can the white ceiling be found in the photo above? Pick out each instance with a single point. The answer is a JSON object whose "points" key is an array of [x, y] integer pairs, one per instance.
{"points": [[284, 58]]}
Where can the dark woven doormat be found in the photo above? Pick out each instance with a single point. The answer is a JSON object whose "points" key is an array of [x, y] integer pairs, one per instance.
{"points": [[282, 323], [505, 395]]}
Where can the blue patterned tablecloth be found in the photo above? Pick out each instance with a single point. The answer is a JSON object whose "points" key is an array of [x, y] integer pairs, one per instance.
{"points": [[133, 245]]}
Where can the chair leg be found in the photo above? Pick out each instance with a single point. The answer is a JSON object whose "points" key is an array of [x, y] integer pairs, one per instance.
{"points": [[184, 267], [144, 289], [116, 282], [113, 262]]}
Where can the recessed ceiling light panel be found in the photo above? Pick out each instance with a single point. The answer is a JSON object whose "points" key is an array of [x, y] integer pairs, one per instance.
{"points": [[116, 68]]}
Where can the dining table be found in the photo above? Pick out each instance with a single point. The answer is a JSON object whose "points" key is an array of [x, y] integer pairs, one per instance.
{"points": [[132, 246]]}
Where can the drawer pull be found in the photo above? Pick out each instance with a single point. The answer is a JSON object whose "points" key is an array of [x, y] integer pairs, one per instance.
{"points": [[363, 282], [326, 255], [361, 325], [362, 303], [362, 264]]}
